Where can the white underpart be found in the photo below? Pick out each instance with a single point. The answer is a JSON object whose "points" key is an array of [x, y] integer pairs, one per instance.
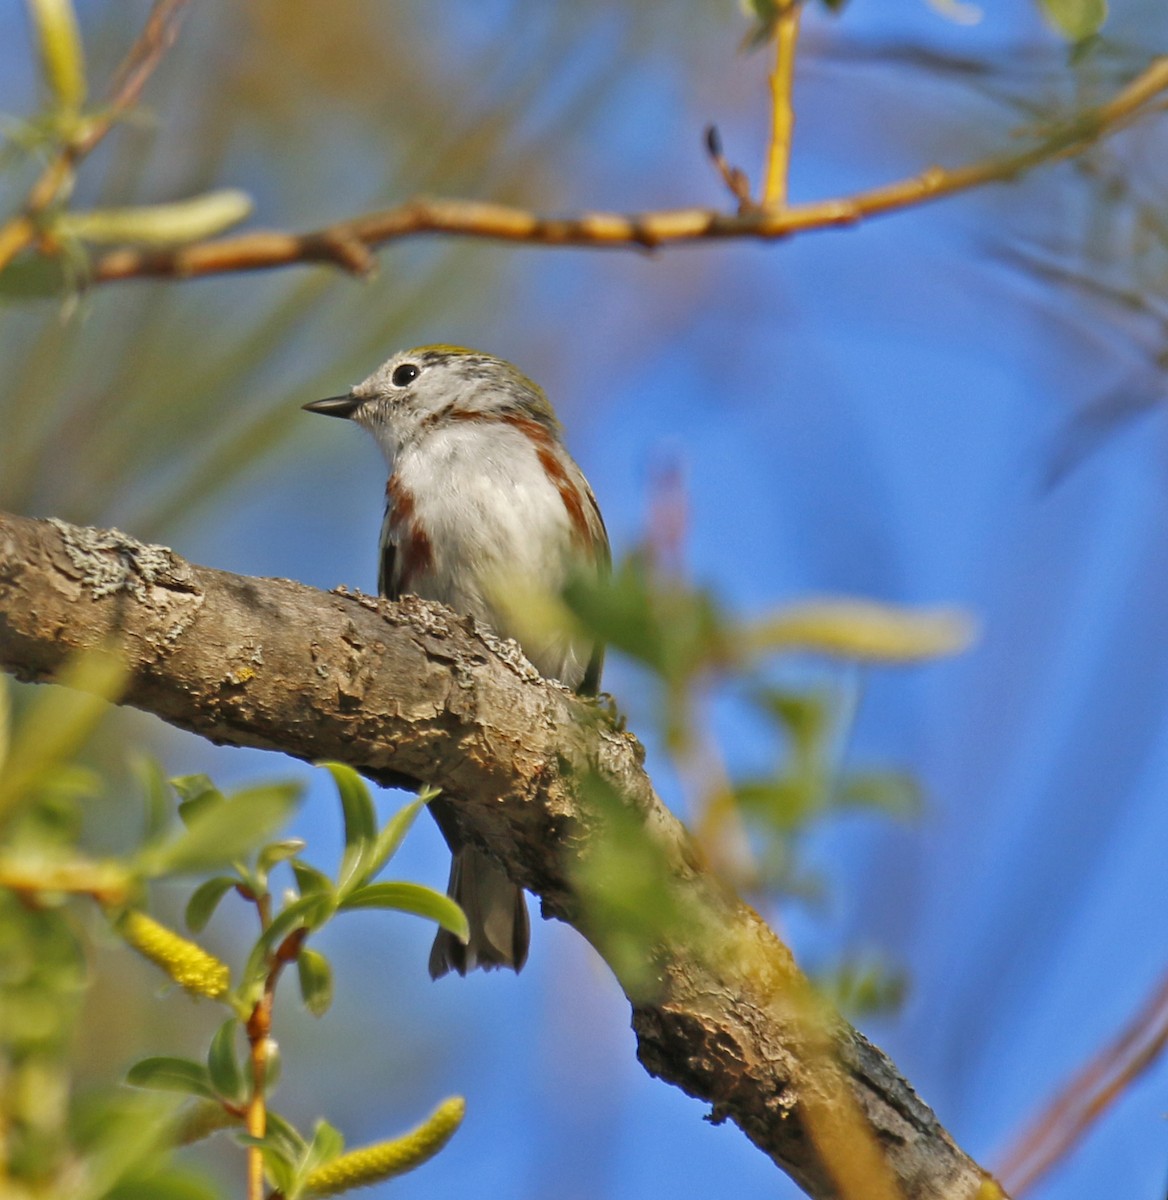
{"points": [[498, 530]]}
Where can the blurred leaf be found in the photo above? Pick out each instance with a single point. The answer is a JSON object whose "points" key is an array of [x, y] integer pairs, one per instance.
{"points": [[784, 803], [958, 11], [57, 723], [61, 52], [859, 629], [673, 630], [219, 832], [152, 780], [158, 224], [5, 721], [276, 852], [1076, 20], [411, 898], [222, 1068], [628, 892], [170, 1183], [896, 794], [32, 278], [862, 988], [205, 899], [196, 794], [316, 981], [172, 1075]]}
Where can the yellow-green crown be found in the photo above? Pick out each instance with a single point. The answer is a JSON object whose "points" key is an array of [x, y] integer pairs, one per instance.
{"points": [[529, 393]]}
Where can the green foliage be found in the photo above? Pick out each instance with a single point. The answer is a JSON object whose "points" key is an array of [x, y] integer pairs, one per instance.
{"points": [[630, 904], [860, 987], [755, 826], [122, 1141], [1076, 20]]}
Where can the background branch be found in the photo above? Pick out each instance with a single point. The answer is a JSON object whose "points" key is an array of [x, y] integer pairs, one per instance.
{"points": [[408, 691], [348, 242]]}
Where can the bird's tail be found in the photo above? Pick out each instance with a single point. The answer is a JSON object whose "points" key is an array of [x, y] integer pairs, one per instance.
{"points": [[495, 911]]}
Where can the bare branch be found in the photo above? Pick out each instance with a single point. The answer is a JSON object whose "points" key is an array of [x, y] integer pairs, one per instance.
{"points": [[1088, 1094], [468, 218], [782, 81], [410, 691]]}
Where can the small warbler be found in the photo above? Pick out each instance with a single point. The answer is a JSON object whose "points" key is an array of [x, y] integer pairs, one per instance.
{"points": [[482, 497]]}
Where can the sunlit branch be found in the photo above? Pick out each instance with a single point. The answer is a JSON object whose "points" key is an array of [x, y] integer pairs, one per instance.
{"points": [[350, 242], [782, 81]]}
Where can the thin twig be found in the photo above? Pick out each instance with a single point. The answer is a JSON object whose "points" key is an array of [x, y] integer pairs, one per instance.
{"points": [[157, 36], [782, 80], [733, 177], [468, 218], [1087, 1095]]}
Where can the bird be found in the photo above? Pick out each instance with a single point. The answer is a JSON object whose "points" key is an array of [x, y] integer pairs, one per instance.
{"points": [[483, 501]]}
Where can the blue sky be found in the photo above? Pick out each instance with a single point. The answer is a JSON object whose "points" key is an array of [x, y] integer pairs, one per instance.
{"points": [[872, 412]]}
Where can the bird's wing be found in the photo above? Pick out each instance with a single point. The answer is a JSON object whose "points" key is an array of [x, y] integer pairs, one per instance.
{"points": [[388, 583]]}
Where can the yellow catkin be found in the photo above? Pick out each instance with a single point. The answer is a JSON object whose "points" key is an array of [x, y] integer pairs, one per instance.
{"points": [[187, 964], [372, 1164]]}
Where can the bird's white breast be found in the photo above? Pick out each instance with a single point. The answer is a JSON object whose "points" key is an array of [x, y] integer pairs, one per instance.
{"points": [[496, 524]]}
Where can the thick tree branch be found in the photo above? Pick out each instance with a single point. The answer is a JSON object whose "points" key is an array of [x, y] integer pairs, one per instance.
{"points": [[348, 243], [410, 691]]}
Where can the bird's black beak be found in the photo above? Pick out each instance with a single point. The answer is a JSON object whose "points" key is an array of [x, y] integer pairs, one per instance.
{"points": [[335, 406]]}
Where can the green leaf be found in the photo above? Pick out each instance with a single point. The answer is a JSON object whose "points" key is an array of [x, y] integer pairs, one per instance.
{"points": [[158, 224], [32, 279], [316, 981], [862, 988], [284, 1134], [172, 1075], [360, 819], [327, 1143], [784, 803], [219, 832], [222, 1067], [152, 781], [194, 787], [1076, 20], [172, 1183], [309, 880], [411, 898], [893, 793], [672, 630], [205, 899], [391, 837], [61, 51], [277, 852]]}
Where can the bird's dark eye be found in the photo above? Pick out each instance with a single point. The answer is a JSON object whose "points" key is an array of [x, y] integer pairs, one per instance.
{"points": [[404, 374]]}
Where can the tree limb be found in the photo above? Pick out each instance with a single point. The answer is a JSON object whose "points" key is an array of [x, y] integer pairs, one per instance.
{"points": [[409, 691], [349, 243]]}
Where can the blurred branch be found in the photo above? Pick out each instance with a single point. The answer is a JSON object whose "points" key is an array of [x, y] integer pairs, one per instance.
{"points": [[349, 243], [408, 691], [782, 80], [1087, 1095], [56, 180]]}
